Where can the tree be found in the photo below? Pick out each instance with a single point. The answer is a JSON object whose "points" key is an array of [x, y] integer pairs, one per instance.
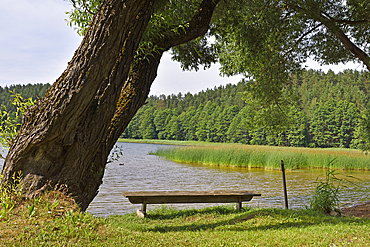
{"points": [[175, 129], [238, 130], [362, 132], [223, 121], [297, 133], [133, 129], [324, 96], [347, 115], [65, 139], [276, 38], [160, 121], [148, 130]]}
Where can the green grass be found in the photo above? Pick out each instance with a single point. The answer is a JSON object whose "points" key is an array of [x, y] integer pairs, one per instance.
{"points": [[269, 157], [54, 220], [215, 226]]}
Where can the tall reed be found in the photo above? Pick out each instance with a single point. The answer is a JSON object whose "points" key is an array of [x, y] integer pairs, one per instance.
{"points": [[268, 157]]}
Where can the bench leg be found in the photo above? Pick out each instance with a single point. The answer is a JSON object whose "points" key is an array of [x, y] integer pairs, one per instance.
{"points": [[142, 213], [239, 205]]}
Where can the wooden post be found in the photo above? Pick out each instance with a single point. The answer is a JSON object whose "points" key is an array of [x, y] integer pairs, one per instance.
{"points": [[284, 185]]}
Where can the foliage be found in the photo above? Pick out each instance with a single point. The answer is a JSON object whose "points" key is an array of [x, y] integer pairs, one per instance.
{"points": [[10, 195], [81, 14], [169, 17], [14, 100], [116, 154], [276, 38], [34, 91], [10, 121], [332, 113], [326, 195], [362, 132]]}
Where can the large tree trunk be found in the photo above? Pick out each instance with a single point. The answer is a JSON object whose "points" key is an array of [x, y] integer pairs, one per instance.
{"points": [[143, 73], [59, 145], [67, 150]]}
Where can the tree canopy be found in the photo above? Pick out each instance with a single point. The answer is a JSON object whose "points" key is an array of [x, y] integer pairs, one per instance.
{"points": [[269, 41], [265, 41]]}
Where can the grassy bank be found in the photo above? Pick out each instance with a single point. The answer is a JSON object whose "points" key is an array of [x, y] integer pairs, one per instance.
{"points": [[267, 156], [216, 226], [169, 142]]}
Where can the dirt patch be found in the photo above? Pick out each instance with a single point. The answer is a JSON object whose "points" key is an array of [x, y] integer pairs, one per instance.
{"points": [[361, 210]]}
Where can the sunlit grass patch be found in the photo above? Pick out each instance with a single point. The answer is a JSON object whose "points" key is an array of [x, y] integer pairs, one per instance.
{"points": [[166, 226]]}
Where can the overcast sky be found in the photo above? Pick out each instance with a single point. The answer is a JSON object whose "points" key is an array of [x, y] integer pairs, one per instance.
{"points": [[36, 44]]}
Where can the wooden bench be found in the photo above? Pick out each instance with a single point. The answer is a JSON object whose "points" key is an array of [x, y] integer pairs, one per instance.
{"points": [[164, 197]]}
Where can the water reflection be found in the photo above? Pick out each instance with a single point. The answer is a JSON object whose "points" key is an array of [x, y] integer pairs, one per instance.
{"points": [[143, 172]]}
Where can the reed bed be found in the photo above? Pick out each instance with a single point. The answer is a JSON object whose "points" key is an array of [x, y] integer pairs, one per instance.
{"points": [[267, 157]]}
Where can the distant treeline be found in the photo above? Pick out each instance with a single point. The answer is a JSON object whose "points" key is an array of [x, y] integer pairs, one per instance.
{"points": [[327, 115], [27, 91]]}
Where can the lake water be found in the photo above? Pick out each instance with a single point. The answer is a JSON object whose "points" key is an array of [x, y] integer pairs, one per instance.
{"points": [[143, 172]]}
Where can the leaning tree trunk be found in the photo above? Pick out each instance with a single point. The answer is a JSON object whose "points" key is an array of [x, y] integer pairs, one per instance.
{"points": [[67, 150], [59, 145], [143, 73]]}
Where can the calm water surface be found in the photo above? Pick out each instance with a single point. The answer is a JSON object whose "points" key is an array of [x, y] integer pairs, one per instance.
{"points": [[143, 172]]}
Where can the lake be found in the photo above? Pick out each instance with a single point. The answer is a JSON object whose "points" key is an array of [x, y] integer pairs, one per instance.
{"points": [[143, 172]]}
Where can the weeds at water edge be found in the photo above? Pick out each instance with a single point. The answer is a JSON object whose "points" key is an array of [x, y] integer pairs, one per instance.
{"points": [[325, 198]]}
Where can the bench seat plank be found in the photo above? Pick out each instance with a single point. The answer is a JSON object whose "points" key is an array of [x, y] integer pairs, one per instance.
{"points": [[163, 197]]}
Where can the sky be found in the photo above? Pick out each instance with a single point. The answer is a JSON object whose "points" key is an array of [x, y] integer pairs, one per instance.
{"points": [[36, 45]]}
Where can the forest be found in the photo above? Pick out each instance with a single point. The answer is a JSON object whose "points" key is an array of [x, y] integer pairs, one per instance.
{"points": [[327, 114], [34, 91]]}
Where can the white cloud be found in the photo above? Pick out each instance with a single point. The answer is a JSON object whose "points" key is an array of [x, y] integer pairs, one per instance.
{"points": [[336, 68], [172, 79]]}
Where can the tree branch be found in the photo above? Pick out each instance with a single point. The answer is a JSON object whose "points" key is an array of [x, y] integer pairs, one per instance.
{"points": [[331, 25], [343, 38], [349, 22], [87, 9], [304, 35], [196, 27]]}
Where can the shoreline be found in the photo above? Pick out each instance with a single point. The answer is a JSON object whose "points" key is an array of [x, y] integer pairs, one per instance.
{"points": [[358, 210]]}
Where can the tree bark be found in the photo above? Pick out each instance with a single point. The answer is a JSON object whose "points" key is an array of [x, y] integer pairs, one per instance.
{"points": [[59, 145], [65, 139], [143, 73]]}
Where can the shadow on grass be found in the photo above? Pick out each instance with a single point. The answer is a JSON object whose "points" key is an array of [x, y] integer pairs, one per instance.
{"points": [[168, 213], [250, 220]]}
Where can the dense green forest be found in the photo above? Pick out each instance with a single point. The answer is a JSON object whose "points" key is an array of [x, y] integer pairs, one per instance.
{"points": [[327, 115], [33, 91]]}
